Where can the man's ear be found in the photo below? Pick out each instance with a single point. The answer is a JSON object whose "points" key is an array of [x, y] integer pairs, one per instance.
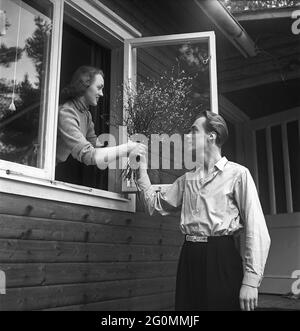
{"points": [[213, 136]]}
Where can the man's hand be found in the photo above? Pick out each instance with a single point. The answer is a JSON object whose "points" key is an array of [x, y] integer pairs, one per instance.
{"points": [[143, 164], [248, 298], [137, 156]]}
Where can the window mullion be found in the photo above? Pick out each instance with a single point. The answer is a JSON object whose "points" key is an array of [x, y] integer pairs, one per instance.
{"points": [[53, 90]]}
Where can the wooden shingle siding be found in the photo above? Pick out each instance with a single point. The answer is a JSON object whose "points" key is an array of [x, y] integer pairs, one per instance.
{"points": [[69, 257]]}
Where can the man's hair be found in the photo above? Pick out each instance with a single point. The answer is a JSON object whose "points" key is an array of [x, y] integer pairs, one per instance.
{"points": [[215, 122]]}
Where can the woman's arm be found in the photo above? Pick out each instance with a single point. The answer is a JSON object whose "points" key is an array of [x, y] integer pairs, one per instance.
{"points": [[107, 155], [72, 141]]}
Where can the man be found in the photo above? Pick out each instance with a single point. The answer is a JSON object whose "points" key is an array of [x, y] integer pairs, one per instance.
{"points": [[218, 202]]}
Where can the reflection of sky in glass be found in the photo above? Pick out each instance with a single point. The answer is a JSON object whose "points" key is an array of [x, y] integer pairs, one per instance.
{"points": [[25, 64]]}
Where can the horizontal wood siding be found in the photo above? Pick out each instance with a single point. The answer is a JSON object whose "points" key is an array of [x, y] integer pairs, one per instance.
{"points": [[59, 256]]}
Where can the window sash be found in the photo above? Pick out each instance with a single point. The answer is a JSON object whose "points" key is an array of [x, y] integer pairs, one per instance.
{"points": [[130, 71], [52, 91]]}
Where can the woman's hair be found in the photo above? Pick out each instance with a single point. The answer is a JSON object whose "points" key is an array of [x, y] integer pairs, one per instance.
{"points": [[81, 80], [216, 123]]}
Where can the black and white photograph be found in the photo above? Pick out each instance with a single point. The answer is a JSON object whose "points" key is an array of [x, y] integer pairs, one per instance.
{"points": [[149, 158]]}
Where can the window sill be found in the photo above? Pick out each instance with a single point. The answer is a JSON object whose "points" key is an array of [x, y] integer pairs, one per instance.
{"points": [[64, 192]]}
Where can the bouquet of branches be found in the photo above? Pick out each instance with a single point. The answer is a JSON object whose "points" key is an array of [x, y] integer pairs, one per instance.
{"points": [[162, 105]]}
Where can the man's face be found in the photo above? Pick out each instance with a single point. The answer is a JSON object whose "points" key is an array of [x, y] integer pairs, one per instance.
{"points": [[197, 137]]}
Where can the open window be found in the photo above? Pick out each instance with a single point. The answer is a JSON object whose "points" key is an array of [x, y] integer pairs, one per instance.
{"points": [[42, 43], [176, 71]]}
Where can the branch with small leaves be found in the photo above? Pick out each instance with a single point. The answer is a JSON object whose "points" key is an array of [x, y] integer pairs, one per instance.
{"points": [[162, 105]]}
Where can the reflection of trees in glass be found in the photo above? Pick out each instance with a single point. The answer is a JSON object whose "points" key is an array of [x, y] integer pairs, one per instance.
{"points": [[241, 5], [35, 46], [194, 59], [8, 54], [19, 130]]}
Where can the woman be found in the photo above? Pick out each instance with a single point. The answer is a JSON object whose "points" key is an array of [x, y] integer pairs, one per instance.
{"points": [[76, 136]]}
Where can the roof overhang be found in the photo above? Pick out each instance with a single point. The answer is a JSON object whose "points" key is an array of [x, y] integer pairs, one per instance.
{"points": [[266, 14]]}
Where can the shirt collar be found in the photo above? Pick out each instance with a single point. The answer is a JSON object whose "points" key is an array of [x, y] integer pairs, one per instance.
{"points": [[221, 163], [80, 105]]}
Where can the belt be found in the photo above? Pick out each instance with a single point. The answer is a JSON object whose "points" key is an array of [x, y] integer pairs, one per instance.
{"points": [[198, 239], [205, 239]]}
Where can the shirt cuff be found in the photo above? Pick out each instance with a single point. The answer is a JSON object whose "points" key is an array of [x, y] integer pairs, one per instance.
{"points": [[144, 182], [251, 279]]}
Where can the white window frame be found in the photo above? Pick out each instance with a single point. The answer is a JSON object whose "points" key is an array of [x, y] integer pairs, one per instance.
{"points": [[130, 71], [45, 173], [39, 183]]}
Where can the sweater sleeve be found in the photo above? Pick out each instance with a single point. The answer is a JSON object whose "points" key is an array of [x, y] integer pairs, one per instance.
{"points": [[72, 137]]}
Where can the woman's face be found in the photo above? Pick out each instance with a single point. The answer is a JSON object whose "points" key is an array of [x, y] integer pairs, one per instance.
{"points": [[95, 91]]}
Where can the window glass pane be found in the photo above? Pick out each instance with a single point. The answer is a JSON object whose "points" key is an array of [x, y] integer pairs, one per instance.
{"points": [[173, 85], [24, 74]]}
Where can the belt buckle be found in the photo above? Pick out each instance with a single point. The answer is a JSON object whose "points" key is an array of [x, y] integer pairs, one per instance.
{"points": [[196, 239]]}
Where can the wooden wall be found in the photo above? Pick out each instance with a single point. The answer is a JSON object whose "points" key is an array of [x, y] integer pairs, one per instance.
{"points": [[68, 257], [284, 256]]}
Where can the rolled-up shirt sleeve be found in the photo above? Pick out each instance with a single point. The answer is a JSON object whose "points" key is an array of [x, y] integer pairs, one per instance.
{"points": [[165, 201], [256, 240], [73, 139]]}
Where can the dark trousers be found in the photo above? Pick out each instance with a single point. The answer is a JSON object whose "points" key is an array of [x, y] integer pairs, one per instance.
{"points": [[209, 275]]}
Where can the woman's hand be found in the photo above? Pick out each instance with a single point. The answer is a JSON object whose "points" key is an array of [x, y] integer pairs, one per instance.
{"points": [[136, 148], [131, 145]]}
